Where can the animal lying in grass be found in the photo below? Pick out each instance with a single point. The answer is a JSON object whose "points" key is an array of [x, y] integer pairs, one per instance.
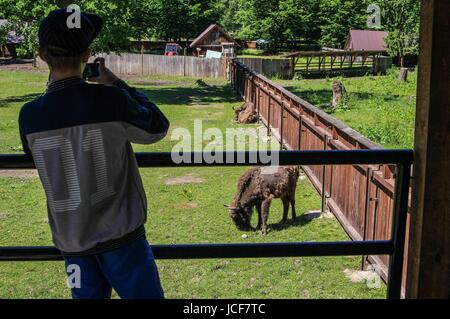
{"points": [[256, 188], [245, 114]]}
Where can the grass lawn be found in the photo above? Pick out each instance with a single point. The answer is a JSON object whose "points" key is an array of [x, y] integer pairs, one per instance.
{"points": [[380, 107], [183, 213]]}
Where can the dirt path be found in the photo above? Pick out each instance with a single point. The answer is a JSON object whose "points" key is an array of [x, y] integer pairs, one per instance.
{"points": [[19, 173], [187, 179], [16, 65]]}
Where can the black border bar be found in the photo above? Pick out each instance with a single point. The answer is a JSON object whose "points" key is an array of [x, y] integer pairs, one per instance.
{"points": [[246, 158], [209, 251]]}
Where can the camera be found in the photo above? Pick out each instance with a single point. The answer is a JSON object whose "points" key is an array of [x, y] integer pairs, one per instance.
{"points": [[91, 70]]}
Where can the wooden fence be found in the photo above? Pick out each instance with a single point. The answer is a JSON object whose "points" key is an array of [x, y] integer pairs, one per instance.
{"points": [[360, 196], [147, 64], [288, 46], [281, 68], [333, 62]]}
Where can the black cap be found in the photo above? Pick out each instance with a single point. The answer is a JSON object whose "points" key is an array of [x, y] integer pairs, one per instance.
{"points": [[63, 41]]}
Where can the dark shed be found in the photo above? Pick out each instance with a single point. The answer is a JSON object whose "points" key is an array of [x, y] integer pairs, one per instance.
{"points": [[212, 38]]}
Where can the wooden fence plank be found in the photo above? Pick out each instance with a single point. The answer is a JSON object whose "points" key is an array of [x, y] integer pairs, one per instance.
{"points": [[148, 64]]}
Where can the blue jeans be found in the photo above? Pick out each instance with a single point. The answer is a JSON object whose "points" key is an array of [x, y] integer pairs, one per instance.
{"points": [[130, 270]]}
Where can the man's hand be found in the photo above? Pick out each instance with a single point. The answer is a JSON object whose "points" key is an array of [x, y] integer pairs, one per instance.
{"points": [[106, 76]]}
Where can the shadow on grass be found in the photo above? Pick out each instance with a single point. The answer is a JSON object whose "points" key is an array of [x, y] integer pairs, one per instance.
{"points": [[298, 222], [4, 102], [15, 61], [191, 95], [196, 95]]}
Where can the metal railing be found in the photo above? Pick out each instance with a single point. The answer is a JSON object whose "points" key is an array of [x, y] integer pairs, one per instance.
{"points": [[394, 246]]}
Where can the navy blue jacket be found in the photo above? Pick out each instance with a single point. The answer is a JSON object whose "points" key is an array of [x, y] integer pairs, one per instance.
{"points": [[80, 137]]}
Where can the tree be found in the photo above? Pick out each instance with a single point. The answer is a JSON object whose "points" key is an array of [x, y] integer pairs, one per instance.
{"points": [[117, 28], [4, 30], [24, 17], [277, 20], [143, 21], [297, 19], [401, 19], [183, 19], [337, 17], [229, 18], [256, 18]]}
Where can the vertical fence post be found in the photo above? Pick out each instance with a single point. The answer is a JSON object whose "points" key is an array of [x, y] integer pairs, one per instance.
{"points": [[403, 172], [142, 60], [232, 75], [258, 97], [253, 93], [324, 171], [281, 125], [235, 70], [366, 212], [300, 129], [268, 113], [238, 80]]}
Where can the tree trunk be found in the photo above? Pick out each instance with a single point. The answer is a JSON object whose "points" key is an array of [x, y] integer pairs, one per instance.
{"points": [[403, 74], [402, 61], [338, 93]]}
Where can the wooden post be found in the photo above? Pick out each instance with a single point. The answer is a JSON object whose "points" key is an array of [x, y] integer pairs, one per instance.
{"points": [[403, 75], [258, 101], [428, 273], [300, 128], [366, 212], [268, 113], [324, 172], [142, 57], [281, 126]]}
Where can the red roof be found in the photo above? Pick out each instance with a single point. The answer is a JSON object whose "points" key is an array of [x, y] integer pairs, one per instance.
{"points": [[367, 40], [210, 29]]}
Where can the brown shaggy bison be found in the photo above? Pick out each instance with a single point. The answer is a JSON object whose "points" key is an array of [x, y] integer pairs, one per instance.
{"points": [[245, 114], [256, 188]]}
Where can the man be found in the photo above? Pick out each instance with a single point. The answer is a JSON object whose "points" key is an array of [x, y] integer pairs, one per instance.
{"points": [[79, 135]]}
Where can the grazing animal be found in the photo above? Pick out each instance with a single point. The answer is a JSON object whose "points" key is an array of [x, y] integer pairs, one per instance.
{"points": [[245, 113], [339, 93], [256, 188]]}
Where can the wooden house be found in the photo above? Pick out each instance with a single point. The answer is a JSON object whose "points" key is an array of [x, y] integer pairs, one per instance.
{"points": [[213, 38]]}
